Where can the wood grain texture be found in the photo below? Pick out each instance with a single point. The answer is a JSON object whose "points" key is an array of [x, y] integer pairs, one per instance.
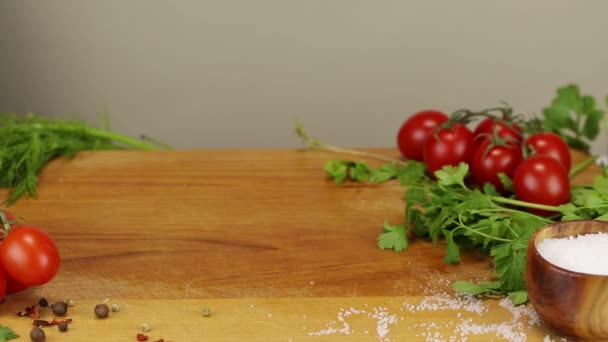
{"points": [[280, 319], [229, 225]]}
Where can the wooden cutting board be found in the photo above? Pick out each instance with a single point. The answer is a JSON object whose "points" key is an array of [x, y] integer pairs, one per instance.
{"points": [[277, 251]]}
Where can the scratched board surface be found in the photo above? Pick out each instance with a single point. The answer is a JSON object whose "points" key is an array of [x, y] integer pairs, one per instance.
{"points": [[248, 225]]}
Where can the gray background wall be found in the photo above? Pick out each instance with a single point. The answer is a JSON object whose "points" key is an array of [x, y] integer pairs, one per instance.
{"points": [[234, 74]]}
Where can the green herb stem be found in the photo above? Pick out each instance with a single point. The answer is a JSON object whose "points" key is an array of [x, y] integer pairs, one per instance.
{"points": [[598, 206], [315, 144], [336, 149], [525, 204], [461, 225], [100, 133], [156, 142], [513, 211], [578, 168], [121, 138]]}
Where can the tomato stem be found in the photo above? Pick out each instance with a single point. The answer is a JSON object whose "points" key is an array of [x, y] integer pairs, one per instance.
{"points": [[464, 116], [5, 225]]}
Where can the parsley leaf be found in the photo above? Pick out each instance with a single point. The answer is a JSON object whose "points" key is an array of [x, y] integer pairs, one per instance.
{"points": [[518, 297], [359, 172], [384, 173], [410, 173], [415, 195], [574, 117], [452, 255], [336, 169], [510, 263], [452, 175], [394, 237], [7, 334], [414, 173]]}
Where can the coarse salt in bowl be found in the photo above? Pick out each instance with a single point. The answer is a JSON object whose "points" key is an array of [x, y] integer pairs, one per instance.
{"points": [[567, 277]]}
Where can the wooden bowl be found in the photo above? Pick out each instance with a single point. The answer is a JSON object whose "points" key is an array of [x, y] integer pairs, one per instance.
{"points": [[572, 303]]}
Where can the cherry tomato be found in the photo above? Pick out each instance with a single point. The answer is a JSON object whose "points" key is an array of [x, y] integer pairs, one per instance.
{"points": [[486, 129], [12, 286], [2, 283], [543, 180], [550, 144], [29, 256], [488, 161], [415, 130], [448, 146]]}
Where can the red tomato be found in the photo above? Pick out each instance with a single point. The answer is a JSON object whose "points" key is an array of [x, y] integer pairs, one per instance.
{"points": [[2, 283], [550, 144], [415, 130], [29, 256], [485, 130], [448, 146], [13, 286], [488, 161], [543, 180]]}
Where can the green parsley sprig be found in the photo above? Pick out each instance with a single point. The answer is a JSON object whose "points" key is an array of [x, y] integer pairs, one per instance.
{"points": [[498, 226], [573, 116]]}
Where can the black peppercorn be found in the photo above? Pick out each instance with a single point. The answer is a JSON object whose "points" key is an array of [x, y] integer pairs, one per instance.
{"points": [[37, 335], [43, 302], [63, 326], [102, 310], [60, 308]]}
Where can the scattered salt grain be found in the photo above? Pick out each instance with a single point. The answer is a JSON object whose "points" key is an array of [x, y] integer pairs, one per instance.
{"points": [[458, 329], [445, 301], [381, 315], [520, 311], [582, 253], [512, 330]]}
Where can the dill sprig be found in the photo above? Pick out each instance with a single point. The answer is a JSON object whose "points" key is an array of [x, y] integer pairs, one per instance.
{"points": [[28, 142]]}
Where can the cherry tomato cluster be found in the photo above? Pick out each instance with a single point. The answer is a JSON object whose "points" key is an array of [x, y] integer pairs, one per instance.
{"points": [[538, 163], [28, 256]]}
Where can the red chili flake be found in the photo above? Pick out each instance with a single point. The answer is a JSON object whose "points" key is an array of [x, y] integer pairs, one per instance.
{"points": [[45, 323], [29, 311], [160, 340], [142, 337]]}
